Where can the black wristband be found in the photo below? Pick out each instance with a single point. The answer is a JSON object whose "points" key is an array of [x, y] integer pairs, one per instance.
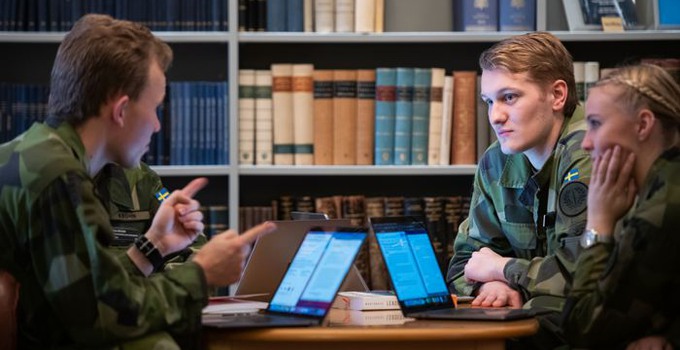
{"points": [[150, 251]]}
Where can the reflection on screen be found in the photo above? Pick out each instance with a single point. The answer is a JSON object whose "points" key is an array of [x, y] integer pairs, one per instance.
{"points": [[316, 272], [412, 265]]}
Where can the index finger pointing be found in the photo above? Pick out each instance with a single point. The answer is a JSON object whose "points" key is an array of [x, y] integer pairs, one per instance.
{"points": [[259, 230], [194, 186]]}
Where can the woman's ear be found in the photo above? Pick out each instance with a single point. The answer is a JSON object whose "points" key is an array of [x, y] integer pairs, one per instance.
{"points": [[646, 123], [120, 105], [559, 93]]}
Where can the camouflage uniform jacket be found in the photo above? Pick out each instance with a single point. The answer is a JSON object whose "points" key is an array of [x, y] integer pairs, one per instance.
{"points": [[54, 232], [533, 217], [131, 197], [630, 290]]}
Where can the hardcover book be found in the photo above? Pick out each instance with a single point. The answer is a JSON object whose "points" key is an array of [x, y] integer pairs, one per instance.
{"points": [[517, 15], [476, 15], [323, 117], [464, 144], [324, 16], [246, 116], [436, 116], [263, 117], [404, 116], [367, 318], [365, 116], [303, 114], [344, 16], [282, 113], [344, 117], [385, 109], [422, 80]]}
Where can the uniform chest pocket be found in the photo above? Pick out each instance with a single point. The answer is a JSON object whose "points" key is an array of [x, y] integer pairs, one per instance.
{"points": [[521, 236]]}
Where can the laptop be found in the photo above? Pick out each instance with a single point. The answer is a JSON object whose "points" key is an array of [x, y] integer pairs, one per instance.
{"points": [[272, 253], [418, 282], [309, 285]]}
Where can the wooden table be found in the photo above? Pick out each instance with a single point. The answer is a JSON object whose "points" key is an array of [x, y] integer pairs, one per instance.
{"points": [[413, 335]]}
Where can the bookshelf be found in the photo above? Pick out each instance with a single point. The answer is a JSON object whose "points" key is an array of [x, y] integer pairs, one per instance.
{"points": [[219, 56]]}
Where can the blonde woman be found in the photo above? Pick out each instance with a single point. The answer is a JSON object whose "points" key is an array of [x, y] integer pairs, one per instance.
{"points": [[627, 281]]}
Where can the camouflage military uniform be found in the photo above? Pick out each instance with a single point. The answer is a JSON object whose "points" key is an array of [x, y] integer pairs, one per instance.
{"points": [[630, 290], [534, 217], [54, 234], [132, 198]]}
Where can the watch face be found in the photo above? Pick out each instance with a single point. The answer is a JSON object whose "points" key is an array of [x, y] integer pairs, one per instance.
{"points": [[588, 239]]}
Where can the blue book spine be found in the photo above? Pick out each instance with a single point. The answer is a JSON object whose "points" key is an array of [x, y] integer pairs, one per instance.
{"points": [[517, 15], [174, 91], [476, 16], [277, 14], [225, 118], [404, 116], [385, 113], [295, 16], [185, 158], [422, 79]]}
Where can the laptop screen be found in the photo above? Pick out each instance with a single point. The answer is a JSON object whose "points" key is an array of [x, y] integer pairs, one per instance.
{"points": [[317, 270], [411, 263]]}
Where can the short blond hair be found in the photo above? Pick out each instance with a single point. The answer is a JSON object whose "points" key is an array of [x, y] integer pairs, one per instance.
{"points": [[539, 54]]}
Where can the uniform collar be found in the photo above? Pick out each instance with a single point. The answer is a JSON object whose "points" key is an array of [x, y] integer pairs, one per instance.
{"points": [[68, 135]]}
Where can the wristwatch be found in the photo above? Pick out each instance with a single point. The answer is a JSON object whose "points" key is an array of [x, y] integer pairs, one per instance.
{"points": [[590, 237], [150, 251]]}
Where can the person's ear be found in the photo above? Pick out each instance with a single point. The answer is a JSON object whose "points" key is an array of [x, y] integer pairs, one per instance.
{"points": [[646, 123], [120, 106], [559, 91]]}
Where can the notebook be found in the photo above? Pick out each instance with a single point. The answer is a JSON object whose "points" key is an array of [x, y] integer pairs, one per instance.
{"points": [[272, 253], [309, 285], [418, 282]]}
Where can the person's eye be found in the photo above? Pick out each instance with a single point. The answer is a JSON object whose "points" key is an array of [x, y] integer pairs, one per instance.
{"points": [[488, 101], [593, 124], [509, 98]]}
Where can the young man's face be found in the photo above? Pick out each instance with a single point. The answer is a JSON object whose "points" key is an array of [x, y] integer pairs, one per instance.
{"points": [[141, 120], [520, 111], [608, 124]]}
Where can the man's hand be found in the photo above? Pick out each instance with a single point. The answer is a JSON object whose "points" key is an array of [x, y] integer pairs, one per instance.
{"points": [[497, 294], [178, 220], [223, 257], [650, 343], [485, 266]]}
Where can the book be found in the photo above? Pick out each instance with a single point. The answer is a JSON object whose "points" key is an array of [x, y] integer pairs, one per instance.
{"points": [[344, 117], [415, 16], [374, 300], [276, 16], [246, 116], [367, 318], [379, 16], [303, 114], [420, 122], [436, 116], [294, 15], [463, 138], [364, 16], [308, 21], [476, 16], [263, 117], [403, 116], [580, 79], [591, 76], [282, 113], [324, 16], [385, 109], [447, 114], [323, 117], [516, 15], [344, 16], [365, 116]]}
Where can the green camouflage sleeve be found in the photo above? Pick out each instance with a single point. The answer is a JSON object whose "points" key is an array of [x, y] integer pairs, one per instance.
{"points": [[488, 233], [114, 301], [629, 291]]}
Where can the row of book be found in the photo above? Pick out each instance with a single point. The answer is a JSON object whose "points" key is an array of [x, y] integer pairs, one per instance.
{"points": [[441, 215], [377, 16], [161, 15], [321, 16], [20, 106], [383, 116]]}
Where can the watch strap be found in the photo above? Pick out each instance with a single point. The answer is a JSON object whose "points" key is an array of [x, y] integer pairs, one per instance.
{"points": [[149, 250]]}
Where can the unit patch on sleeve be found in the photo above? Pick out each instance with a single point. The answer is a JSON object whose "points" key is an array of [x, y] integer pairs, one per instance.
{"points": [[573, 198]]}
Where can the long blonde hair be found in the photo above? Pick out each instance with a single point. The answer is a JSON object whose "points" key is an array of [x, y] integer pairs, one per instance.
{"points": [[648, 86]]}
